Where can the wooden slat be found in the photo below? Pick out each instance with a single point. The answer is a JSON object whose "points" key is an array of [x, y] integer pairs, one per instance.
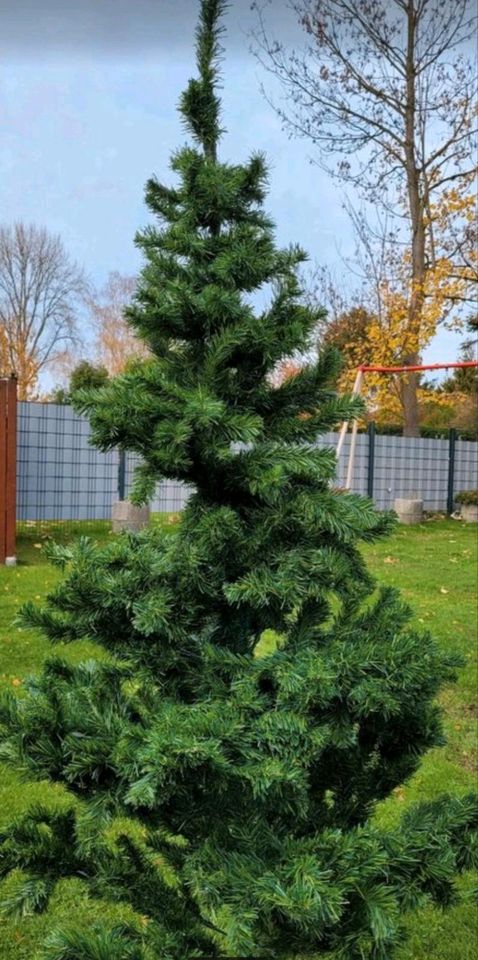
{"points": [[11, 470], [3, 466]]}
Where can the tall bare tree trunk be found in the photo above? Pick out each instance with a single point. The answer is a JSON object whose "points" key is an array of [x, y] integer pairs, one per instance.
{"points": [[411, 426], [409, 397], [387, 89]]}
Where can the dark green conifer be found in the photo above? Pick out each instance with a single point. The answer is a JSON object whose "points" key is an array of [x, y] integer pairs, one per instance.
{"points": [[222, 790]]}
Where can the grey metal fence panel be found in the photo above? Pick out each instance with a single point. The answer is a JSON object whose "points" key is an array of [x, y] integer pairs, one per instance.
{"points": [[407, 466], [62, 477], [360, 471], [170, 495], [466, 466]]}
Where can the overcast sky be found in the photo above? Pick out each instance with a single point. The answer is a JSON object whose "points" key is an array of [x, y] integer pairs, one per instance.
{"points": [[88, 94]]}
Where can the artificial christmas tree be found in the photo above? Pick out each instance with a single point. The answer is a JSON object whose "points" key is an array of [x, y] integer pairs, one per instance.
{"points": [[222, 790]]}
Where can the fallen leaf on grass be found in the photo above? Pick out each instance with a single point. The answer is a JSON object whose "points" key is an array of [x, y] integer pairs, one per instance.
{"points": [[37, 546], [391, 560], [16, 682], [442, 590]]}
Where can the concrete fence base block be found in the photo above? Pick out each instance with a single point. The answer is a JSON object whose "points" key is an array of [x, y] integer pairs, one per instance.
{"points": [[10, 561], [408, 510], [126, 516], [469, 512]]}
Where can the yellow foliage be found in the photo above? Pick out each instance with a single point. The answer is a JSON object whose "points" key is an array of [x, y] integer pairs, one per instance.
{"points": [[16, 358], [396, 332], [115, 342], [4, 362]]}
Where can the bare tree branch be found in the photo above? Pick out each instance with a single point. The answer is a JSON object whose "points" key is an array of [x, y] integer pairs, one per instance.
{"points": [[115, 342], [40, 293], [387, 95]]}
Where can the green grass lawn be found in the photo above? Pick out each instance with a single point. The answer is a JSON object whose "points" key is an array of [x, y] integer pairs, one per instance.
{"points": [[435, 567]]}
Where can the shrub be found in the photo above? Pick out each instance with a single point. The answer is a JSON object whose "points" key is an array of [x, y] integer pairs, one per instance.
{"points": [[469, 497]]}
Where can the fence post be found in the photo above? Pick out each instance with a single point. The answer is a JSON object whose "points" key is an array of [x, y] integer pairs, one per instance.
{"points": [[8, 470], [3, 466], [121, 475], [451, 469], [371, 458]]}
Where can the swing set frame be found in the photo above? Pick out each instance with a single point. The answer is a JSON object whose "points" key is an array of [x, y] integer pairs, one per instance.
{"points": [[387, 371]]}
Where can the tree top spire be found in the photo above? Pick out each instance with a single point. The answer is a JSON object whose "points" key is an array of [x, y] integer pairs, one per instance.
{"points": [[199, 103]]}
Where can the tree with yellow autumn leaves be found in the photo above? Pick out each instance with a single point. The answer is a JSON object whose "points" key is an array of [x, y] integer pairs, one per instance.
{"points": [[115, 344], [386, 92], [110, 343], [376, 326]]}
